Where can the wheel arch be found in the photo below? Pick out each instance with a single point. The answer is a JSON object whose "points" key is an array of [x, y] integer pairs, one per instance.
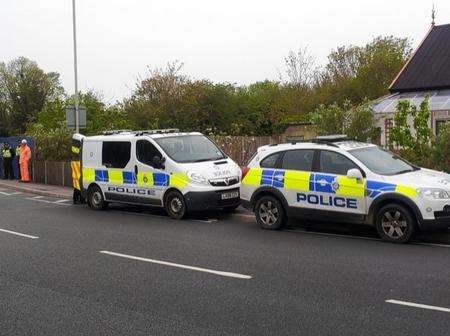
{"points": [[267, 190], [394, 198]]}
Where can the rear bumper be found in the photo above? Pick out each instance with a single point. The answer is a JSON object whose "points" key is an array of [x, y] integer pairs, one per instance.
{"points": [[209, 200]]}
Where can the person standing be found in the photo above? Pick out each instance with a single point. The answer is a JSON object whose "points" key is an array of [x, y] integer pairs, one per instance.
{"points": [[18, 159], [24, 161], [7, 162]]}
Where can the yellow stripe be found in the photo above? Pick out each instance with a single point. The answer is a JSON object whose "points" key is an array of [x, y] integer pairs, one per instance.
{"points": [[405, 190], [253, 177], [145, 179], [75, 165], [88, 174], [178, 180], [115, 177], [350, 187], [297, 180]]}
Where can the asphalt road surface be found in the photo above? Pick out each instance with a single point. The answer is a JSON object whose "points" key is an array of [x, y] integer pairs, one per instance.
{"points": [[68, 270]]}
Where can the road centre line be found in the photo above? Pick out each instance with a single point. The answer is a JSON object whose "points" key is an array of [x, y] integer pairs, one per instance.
{"points": [[418, 305], [37, 197], [192, 268], [4, 193], [19, 234]]}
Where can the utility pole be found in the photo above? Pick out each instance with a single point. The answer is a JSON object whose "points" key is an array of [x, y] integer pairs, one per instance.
{"points": [[77, 116]]}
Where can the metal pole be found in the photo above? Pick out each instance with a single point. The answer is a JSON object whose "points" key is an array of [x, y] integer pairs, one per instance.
{"points": [[77, 116]]}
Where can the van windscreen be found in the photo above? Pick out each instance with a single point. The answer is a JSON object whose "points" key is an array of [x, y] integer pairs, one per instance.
{"points": [[190, 148]]}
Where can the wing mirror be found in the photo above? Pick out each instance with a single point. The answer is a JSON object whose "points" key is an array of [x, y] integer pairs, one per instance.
{"points": [[355, 174], [158, 162]]}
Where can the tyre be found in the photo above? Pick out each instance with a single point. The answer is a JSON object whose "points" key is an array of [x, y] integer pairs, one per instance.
{"points": [[175, 205], [269, 213], [96, 200], [395, 223]]}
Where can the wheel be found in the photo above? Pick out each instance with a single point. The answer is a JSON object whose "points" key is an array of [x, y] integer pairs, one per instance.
{"points": [[270, 213], [175, 205], [395, 223], [96, 200]]}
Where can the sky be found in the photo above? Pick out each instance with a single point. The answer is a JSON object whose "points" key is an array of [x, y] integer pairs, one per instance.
{"points": [[233, 41]]}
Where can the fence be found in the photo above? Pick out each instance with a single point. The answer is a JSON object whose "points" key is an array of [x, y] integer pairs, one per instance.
{"points": [[239, 148]]}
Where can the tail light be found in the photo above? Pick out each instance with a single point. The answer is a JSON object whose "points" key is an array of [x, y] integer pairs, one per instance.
{"points": [[245, 170]]}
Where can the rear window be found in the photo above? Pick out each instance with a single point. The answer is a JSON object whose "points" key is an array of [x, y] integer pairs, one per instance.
{"points": [[270, 161], [298, 159], [116, 154]]}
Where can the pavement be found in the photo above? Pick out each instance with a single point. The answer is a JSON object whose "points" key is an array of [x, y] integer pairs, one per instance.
{"points": [[37, 188], [68, 270]]}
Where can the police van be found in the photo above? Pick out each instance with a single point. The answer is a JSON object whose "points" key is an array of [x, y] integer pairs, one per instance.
{"points": [[181, 172], [336, 179]]}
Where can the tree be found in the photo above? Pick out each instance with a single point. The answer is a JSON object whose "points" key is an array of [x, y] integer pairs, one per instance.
{"points": [[357, 122], [24, 89], [413, 140], [441, 150]]}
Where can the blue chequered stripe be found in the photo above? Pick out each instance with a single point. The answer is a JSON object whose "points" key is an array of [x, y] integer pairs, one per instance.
{"points": [[101, 176], [272, 177], [161, 179], [129, 177]]}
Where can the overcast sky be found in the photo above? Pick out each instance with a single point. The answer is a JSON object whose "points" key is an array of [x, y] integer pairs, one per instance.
{"points": [[235, 41]]}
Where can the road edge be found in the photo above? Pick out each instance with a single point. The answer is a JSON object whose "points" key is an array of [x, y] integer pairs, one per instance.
{"points": [[31, 190]]}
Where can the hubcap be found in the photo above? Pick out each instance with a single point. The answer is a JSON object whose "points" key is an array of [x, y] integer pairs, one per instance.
{"points": [[268, 213], [96, 198], [394, 224], [176, 205]]}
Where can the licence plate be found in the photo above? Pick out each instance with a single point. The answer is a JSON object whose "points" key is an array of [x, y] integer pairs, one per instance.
{"points": [[230, 195]]}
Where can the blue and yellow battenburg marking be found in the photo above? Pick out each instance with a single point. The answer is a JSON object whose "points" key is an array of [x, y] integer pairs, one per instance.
{"points": [[144, 179], [325, 183]]}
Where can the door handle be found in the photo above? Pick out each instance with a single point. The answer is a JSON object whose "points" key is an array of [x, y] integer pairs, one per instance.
{"points": [[135, 170]]}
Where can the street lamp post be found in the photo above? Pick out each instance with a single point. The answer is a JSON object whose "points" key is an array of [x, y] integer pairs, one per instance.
{"points": [[77, 116]]}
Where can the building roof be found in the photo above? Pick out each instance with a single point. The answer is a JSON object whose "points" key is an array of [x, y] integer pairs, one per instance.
{"points": [[439, 100], [429, 66]]}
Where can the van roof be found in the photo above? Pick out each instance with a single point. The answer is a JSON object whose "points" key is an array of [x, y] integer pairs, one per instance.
{"points": [[128, 135]]}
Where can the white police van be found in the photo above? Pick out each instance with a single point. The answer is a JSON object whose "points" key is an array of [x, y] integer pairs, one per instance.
{"points": [[332, 178], [178, 171]]}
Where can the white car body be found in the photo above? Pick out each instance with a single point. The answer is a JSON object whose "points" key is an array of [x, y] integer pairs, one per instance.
{"points": [[318, 194]]}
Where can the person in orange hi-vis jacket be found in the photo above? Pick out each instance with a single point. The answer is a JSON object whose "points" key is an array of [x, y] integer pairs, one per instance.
{"points": [[24, 161]]}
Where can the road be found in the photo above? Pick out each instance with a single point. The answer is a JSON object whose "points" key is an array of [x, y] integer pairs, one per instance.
{"points": [[68, 270]]}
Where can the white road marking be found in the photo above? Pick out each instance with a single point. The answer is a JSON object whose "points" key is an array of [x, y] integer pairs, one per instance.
{"points": [[37, 197], [4, 194], [61, 201], [16, 193], [192, 268], [432, 244], [244, 215], [19, 234], [419, 305]]}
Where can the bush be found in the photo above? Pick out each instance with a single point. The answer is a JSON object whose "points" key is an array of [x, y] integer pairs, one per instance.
{"points": [[441, 150]]}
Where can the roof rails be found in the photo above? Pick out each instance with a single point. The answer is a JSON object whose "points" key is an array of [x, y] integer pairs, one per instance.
{"points": [[332, 138], [156, 131], [113, 132], [142, 132]]}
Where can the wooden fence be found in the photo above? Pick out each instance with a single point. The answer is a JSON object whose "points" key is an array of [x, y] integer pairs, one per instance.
{"points": [[239, 148]]}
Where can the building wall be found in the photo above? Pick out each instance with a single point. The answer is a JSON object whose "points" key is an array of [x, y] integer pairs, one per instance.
{"points": [[299, 132]]}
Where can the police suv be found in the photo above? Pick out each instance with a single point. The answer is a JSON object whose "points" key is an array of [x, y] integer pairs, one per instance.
{"points": [[332, 178], [178, 171]]}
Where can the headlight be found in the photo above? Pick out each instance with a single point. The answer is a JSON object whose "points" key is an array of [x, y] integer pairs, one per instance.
{"points": [[197, 178], [433, 193]]}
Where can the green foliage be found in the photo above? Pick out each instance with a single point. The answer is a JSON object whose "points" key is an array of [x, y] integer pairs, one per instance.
{"points": [[24, 90], [356, 122], [51, 144], [411, 132], [441, 150]]}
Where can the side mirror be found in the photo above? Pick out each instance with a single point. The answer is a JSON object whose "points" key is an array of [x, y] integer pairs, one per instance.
{"points": [[355, 174], [158, 162]]}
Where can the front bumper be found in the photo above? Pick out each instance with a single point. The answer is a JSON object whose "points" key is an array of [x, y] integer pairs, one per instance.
{"points": [[209, 200], [441, 220]]}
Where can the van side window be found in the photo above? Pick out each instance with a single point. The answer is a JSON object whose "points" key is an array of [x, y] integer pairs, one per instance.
{"points": [[270, 161], [116, 154], [298, 159], [335, 163], [146, 151]]}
